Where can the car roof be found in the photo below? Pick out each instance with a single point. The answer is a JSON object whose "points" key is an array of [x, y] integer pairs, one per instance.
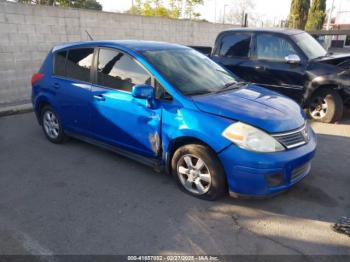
{"points": [[285, 31], [134, 45]]}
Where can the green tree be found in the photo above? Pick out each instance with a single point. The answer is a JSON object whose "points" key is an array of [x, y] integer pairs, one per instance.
{"points": [[298, 13], [175, 8], [317, 14], [190, 6], [136, 8], [87, 4], [155, 8]]}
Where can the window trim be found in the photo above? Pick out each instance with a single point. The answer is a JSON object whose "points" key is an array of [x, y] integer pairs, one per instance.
{"points": [[93, 69], [65, 63]]}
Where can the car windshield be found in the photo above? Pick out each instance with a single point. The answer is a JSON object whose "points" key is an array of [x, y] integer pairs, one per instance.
{"points": [[309, 45], [189, 71]]}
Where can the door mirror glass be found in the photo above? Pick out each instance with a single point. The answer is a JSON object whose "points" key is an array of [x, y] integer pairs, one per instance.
{"points": [[292, 59], [143, 92]]}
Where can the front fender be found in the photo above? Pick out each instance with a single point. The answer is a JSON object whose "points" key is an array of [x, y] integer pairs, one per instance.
{"points": [[192, 123], [337, 81]]}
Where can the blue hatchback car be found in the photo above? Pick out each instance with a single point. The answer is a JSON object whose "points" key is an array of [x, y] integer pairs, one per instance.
{"points": [[173, 108]]}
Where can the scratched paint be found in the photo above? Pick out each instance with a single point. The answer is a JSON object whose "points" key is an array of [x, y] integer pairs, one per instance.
{"points": [[155, 142]]}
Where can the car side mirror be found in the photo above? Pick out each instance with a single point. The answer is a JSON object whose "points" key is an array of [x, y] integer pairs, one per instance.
{"points": [[292, 59], [144, 92]]}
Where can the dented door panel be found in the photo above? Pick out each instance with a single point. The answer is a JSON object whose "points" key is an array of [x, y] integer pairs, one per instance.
{"points": [[125, 121]]}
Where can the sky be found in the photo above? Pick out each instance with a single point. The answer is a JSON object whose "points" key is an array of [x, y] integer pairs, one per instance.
{"points": [[265, 11]]}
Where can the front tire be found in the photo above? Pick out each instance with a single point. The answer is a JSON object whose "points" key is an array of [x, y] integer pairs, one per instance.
{"points": [[198, 172], [52, 125], [326, 106]]}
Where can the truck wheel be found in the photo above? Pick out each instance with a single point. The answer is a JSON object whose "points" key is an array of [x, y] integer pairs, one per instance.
{"points": [[199, 172], [326, 106]]}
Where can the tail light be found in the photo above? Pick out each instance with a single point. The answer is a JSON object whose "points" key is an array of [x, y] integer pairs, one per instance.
{"points": [[36, 77]]}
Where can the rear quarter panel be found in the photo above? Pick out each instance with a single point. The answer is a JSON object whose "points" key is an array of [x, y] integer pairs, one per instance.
{"points": [[41, 92]]}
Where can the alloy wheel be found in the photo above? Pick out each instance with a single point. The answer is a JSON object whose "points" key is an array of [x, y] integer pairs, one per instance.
{"points": [[318, 107], [51, 125], [194, 174]]}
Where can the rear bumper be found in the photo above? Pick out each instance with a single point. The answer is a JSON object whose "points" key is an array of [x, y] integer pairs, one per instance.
{"points": [[265, 174]]}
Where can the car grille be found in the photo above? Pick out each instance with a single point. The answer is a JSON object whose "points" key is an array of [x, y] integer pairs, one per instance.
{"points": [[294, 138], [297, 172]]}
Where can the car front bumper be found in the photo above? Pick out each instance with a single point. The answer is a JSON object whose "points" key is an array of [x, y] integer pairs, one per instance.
{"points": [[264, 174]]}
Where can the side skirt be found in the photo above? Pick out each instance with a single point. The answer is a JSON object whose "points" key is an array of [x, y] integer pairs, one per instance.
{"points": [[152, 162]]}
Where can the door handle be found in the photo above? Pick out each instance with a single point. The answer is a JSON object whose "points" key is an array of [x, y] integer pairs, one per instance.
{"points": [[260, 68], [99, 97], [56, 85]]}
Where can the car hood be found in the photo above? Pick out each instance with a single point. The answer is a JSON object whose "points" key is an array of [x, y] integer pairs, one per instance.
{"points": [[256, 106], [341, 60]]}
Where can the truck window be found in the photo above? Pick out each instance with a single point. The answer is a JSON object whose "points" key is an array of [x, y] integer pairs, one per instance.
{"points": [[235, 45], [273, 47]]}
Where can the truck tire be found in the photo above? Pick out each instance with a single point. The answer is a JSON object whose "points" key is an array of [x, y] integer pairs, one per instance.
{"points": [[326, 105]]}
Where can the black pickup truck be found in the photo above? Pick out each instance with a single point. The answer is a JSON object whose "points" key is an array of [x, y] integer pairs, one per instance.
{"points": [[290, 62]]}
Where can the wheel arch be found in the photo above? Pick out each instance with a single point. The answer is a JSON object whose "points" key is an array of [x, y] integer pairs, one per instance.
{"points": [[179, 142], [39, 104], [317, 86]]}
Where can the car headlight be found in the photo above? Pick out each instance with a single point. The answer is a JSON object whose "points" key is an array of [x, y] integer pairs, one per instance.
{"points": [[251, 138]]}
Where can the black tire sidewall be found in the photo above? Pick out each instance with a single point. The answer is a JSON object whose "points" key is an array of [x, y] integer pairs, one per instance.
{"points": [[218, 179], [61, 136], [334, 103]]}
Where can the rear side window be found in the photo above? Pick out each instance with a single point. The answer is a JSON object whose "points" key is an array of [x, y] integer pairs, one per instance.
{"points": [[118, 71], [60, 63], [235, 45], [79, 63]]}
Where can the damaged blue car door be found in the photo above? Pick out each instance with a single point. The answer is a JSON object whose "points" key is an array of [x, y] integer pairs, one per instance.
{"points": [[122, 111]]}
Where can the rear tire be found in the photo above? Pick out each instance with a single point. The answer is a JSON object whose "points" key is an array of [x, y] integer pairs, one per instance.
{"points": [[199, 172], [326, 106], [52, 125]]}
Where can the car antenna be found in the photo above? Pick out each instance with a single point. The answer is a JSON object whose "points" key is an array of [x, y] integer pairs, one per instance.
{"points": [[89, 35]]}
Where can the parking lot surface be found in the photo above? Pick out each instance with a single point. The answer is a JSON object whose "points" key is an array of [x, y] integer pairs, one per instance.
{"points": [[76, 198]]}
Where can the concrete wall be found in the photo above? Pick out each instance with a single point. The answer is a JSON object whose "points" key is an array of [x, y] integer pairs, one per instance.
{"points": [[28, 32]]}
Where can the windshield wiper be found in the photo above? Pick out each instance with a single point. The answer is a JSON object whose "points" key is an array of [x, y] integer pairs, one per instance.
{"points": [[201, 92], [230, 86], [323, 56]]}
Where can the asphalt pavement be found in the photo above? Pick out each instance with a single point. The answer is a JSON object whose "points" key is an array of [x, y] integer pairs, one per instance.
{"points": [[76, 198]]}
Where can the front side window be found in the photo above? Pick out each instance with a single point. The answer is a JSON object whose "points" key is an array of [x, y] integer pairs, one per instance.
{"points": [[190, 71], [78, 64], [273, 47], [118, 71], [235, 45], [60, 63]]}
